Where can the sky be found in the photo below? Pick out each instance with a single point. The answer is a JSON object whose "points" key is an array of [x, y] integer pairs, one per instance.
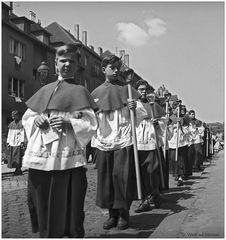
{"points": [[178, 44]]}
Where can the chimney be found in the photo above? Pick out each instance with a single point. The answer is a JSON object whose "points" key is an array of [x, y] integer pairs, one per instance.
{"points": [[122, 55], [100, 51], [11, 10], [32, 16], [91, 47], [76, 31], [84, 37], [127, 60]]}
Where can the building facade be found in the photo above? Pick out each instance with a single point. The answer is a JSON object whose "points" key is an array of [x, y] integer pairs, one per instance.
{"points": [[23, 50], [25, 44]]}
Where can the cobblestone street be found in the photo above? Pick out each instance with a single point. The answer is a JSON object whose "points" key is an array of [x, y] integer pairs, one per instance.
{"points": [[183, 210]]}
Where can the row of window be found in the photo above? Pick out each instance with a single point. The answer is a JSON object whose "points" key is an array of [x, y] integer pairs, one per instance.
{"points": [[19, 50], [16, 87]]}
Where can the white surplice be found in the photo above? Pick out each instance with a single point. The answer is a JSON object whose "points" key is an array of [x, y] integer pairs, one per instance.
{"points": [[146, 138], [65, 151]]}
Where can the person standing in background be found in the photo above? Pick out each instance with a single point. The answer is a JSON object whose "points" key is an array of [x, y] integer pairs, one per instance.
{"points": [[15, 143]]}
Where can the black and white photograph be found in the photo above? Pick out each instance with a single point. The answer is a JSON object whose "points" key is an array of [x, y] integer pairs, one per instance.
{"points": [[112, 121]]}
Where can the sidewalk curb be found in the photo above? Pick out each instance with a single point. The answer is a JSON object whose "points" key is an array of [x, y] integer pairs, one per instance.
{"points": [[5, 174], [165, 228]]}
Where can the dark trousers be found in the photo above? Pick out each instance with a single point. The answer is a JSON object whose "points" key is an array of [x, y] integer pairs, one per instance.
{"points": [[56, 202], [116, 185], [166, 170], [15, 155], [150, 172], [178, 168], [197, 155], [190, 160]]}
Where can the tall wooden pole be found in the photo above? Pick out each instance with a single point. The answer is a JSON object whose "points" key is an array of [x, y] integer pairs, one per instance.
{"points": [[165, 136], [178, 135], [132, 116], [207, 144], [212, 150]]}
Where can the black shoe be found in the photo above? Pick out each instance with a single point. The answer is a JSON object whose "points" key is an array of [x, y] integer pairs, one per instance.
{"points": [[110, 223], [185, 178], [180, 183], [18, 172], [143, 207], [122, 223]]}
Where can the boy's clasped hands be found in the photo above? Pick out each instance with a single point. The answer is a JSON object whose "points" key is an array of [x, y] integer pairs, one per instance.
{"points": [[55, 122]]}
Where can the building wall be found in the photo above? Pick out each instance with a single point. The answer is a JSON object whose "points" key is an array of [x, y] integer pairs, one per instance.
{"points": [[35, 54], [92, 75]]}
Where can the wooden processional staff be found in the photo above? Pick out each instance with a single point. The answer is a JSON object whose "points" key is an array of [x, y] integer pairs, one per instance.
{"points": [[167, 119], [129, 77], [178, 129]]}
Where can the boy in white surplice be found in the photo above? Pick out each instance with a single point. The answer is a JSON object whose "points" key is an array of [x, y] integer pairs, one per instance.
{"points": [[59, 122], [116, 181]]}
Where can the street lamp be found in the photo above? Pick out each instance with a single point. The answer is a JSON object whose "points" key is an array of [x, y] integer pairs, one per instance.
{"points": [[43, 72]]}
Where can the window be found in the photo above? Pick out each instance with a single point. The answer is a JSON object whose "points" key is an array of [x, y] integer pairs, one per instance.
{"points": [[43, 38], [17, 48], [16, 87]]}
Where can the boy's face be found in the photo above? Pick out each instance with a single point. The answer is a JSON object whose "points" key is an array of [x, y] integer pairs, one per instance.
{"points": [[111, 71], [142, 89], [15, 116], [66, 65], [192, 115], [182, 111]]}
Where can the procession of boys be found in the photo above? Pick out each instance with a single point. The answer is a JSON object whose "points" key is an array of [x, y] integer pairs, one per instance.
{"points": [[137, 141]]}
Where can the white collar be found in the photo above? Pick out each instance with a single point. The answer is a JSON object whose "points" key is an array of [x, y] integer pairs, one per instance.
{"points": [[60, 78]]}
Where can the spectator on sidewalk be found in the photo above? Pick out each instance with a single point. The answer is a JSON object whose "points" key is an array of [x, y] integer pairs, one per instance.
{"points": [[15, 143], [59, 122]]}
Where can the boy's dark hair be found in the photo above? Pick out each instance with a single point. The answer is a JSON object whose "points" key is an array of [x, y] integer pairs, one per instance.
{"points": [[69, 48], [144, 82], [110, 60], [141, 82], [183, 107], [15, 112], [191, 111]]}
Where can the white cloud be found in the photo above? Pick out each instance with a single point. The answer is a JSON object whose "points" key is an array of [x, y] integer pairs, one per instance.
{"points": [[156, 27], [132, 34]]}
